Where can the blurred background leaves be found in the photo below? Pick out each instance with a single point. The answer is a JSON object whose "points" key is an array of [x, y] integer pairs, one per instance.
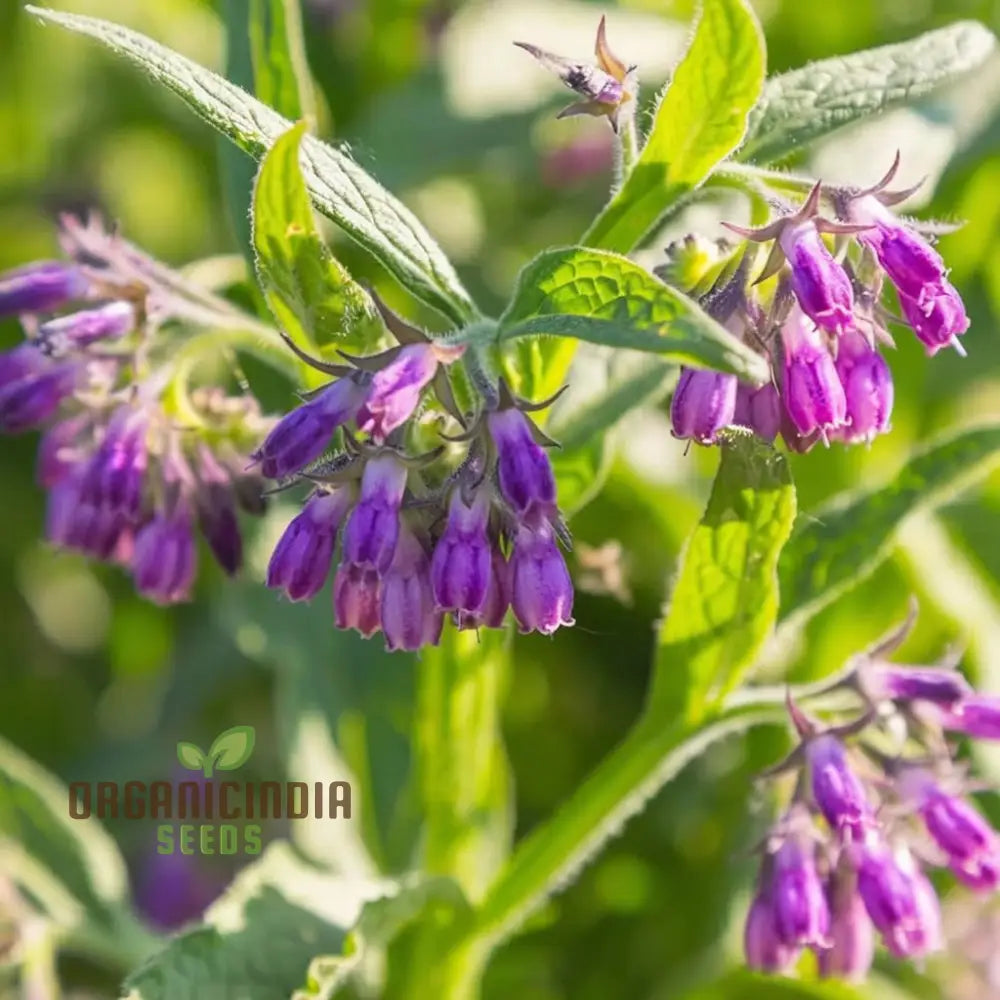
{"points": [[435, 102]]}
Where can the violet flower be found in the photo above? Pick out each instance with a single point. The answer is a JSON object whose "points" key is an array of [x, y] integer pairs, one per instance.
{"points": [[811, 389], [523, 468], [703, 403], [541, 589], [373, 527]]}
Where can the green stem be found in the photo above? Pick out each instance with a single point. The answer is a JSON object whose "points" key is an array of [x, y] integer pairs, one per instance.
{"points": [[777, 180], [627, 151]]}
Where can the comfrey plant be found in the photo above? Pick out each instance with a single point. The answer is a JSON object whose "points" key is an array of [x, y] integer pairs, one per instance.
{"points": [[133, 456], [877, 800], [438, 460]]}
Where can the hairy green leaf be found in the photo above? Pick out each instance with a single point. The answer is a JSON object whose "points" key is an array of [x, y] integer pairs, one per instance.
{"points": [[258, 939], [725, 601], [806, 104], [312, 296], [576, 293], [338, 187], [280, 70], [834, 548], [701, 119]]}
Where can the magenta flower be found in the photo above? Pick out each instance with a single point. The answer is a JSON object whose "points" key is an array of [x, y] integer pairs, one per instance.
{"points": [[461, 564], [801, 913], [704, 402], [165, 559], [395, 390], [763, 947], [541, 589], [890, 681], [976, 715], [357, 600], [938, 319], [74, 522], [811, 389], [303, 435], [497, 601], [111, 321], [32, 387], [838, 791], [408, 616], [868, 389], [373, 527], [301, 560], [821, 285], [116, 474], [523, 467], [759, 409], [852, 937], [40, 287]]}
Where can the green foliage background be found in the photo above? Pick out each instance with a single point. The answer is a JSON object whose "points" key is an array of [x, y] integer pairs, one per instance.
{"points": [[97, 685]]}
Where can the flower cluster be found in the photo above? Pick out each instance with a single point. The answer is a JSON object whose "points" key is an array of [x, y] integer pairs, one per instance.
{"points": [[419, 535], [877, 801], [824, 327], [132, 456]]}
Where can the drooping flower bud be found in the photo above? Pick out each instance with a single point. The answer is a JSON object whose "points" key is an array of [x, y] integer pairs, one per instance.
{"points": [[852, 937], [801, 913], [373, 527], [821, 285], [971, 844], [524, 470], [975, 715], [40, 287], [704, 402], [868, 389], [74, 522], [357, 600], [116, 474], [165, 558], [111, 321], [497, 601], [216, 506], [838, 791], [812, 392], [461, 564], [301, 560], [57, 456], [303, 435], [763, 947], [894, 682], [395, 390], [896, 897], [938, 319], [759, 409], [541, 589], [409, 619], [32, 387]]}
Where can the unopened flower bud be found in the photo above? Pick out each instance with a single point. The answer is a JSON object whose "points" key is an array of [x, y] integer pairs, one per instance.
{"points": [[541, 589], [301, 560], [523, 467], [763, 947], [40, 287], [868, 388], [301, 436], [801, 913], [821, 285], [894, 682], [852, 936], [32, 387], [81, 329], [759, 409], [811, 390], [976, 715], [373, 527], [395, 390], [838, 791], [115, 476], [704, 402], [937, 319], [409, 619], [164, 561], [497, 601], [460, 566]]}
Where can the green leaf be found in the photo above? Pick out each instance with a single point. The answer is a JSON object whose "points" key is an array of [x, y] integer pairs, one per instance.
{"points": [[701, 119], [280, 70], [259, 938], [310, 293], [232, 748], [339, 188], [725, 601], [842, 543], [190, 755], [551, 856], [811, 102], [590, 295], [71, 866]]}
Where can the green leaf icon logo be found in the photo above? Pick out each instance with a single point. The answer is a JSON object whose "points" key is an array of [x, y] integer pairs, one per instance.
{"points": [[230, 750], [191, 756]]}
